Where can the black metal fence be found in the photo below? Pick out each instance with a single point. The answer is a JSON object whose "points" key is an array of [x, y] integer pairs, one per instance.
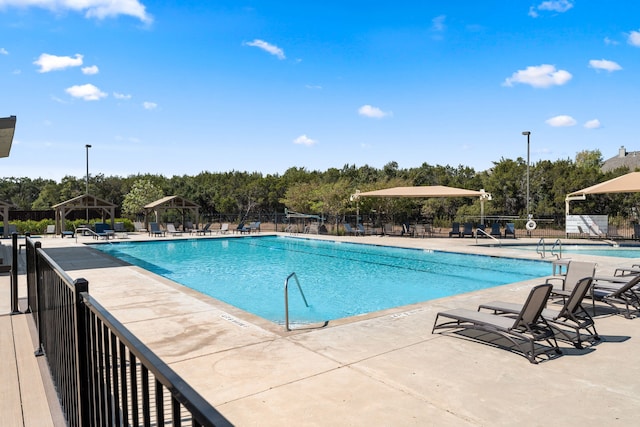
{"points": [[103, 374]]}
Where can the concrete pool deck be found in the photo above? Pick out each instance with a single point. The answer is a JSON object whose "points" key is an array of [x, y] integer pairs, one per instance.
{"points": [[384, 368]]}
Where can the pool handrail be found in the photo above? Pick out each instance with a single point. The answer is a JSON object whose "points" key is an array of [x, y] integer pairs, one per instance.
{"points": [[480, 230], [557, 244], [286, 297]]}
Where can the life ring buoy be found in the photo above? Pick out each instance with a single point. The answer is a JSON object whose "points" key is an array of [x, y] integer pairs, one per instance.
{"points": [[531, 225]]}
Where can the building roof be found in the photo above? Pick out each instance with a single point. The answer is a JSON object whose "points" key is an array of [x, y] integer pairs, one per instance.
{"points": [[423, 191], [624, 159]]}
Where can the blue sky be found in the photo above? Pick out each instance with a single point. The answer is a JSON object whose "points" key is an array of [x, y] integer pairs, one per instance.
{"points": [[175, 87]]}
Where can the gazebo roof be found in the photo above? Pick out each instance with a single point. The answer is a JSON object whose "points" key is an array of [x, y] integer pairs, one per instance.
{"points": [[85, 201], [170, 202]]}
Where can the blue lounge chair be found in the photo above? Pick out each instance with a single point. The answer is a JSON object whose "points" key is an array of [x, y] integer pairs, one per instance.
{"points": [[481, 231], [510, 228], [495, 230], [241, 228], [205, 230], [154, 229], [349, 230], [455, 230], [467, 230]]}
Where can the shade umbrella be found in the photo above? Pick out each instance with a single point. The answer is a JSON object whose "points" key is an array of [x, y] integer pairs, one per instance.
{"points": [[426, 191], [629, 183]]}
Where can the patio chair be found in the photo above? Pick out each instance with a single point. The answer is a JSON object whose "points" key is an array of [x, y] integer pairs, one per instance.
{"points": [[613, 294], [455, 230], [224, 228], [119, 229], [139, 227], [523, 330], [388, 230], [510, 228], [419, 230], [171, 229], [206, 229], [241, 228], [349, 230], [571, 315], [576, 271], [51, 229], [361, 229], [636, 232], [154, 229], [103, 231], [467, 230], [481, 230], [495, 230], [254, 227]]}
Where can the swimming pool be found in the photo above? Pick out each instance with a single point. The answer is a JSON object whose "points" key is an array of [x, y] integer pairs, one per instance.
{"points": [[338, 279]]}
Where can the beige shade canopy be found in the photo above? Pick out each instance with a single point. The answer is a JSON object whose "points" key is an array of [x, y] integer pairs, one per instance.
{"points": [[423, 191], [7, 129], [629, 183], [85, 201]]}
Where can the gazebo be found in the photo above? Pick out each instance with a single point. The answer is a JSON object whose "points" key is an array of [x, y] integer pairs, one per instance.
{"points": [[4, 213], [84, 202], [178, 203]]}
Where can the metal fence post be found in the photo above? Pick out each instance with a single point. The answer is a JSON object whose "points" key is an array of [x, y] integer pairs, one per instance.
{"points": [[14, 274], [81, 285], [38, 274]]}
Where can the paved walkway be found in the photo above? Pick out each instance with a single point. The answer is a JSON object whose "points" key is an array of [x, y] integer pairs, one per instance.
{"points": [[380, 369]]}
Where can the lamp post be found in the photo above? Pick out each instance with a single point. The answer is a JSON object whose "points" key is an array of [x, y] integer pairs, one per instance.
{"points": [[528, 134], [87, 146]]}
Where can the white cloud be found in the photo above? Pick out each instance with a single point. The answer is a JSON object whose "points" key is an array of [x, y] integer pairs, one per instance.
{"points": [[52, 62], [608, 41], [3, 51], [561, 121], [149, 105], [559, 6], [99, 9], [603, 64], [314, 87], [117, 95], [544, 75], [305, 140], [634, 38], [556, 5], [593, 124], [87, 92], [90, 70], [438, 23], [373, 112], [267, 47]]}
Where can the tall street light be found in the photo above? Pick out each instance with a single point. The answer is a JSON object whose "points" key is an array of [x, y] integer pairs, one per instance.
{"points": [[87, 187], [528, 134]]}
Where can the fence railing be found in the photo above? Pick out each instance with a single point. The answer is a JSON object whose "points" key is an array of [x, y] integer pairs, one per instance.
{"points": [[104, 375]]}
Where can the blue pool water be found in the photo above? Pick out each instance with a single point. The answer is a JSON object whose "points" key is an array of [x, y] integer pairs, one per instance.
{"points": [[338, 279]]}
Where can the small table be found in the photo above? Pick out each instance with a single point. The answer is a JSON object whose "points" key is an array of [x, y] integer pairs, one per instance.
{"points": [[559, 264]]}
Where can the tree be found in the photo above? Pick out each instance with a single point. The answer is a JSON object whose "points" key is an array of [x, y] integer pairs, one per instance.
{"points": [[142, 193]]}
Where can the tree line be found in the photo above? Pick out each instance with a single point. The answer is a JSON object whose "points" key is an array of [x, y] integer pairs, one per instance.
{"points": [[327, 193]]}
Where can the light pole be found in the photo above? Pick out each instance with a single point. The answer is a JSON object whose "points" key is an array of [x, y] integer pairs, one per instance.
{"points": [[87, 146], [528, 134]]}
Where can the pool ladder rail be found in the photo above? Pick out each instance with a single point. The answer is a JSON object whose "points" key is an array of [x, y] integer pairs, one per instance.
{"points": [[480, 230], [542, 250], [286, 297]]}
